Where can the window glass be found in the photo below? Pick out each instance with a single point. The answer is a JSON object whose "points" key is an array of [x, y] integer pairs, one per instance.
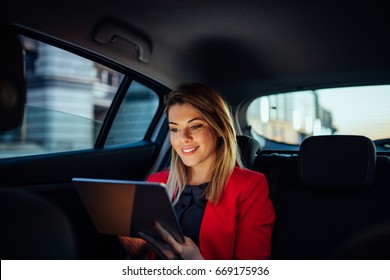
{"points": [[291, 117], [67, 100], [134, 116]]}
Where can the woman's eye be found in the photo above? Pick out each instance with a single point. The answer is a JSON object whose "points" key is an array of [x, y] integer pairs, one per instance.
{"points": [[174, 130], [197, 126]]}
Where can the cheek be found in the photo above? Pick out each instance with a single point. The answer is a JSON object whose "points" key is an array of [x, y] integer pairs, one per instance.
{"points": [[174, 141], [211, 137]]}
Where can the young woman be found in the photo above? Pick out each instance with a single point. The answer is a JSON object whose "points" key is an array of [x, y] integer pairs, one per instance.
{"points": [[224, 210]]}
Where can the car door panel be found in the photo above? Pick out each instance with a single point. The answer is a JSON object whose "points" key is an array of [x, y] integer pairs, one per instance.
{"points": [[50, 176]]}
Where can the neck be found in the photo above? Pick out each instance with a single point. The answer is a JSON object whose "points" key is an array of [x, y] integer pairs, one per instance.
{"points": [[198, 177]]}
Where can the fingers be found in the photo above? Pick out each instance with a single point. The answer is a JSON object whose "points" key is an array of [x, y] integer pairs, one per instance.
{"points": [[187, 250], [168, 238], [163, 250], [133, 246], [170, 248]]}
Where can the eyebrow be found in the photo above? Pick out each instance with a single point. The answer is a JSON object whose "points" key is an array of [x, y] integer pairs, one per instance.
{"points": [[191, 120]]}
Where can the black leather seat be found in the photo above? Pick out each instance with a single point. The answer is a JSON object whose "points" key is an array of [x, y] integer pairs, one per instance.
{"points": [[338, 162], [327, 199], [372, 243], [249, 148], [34, 228]]}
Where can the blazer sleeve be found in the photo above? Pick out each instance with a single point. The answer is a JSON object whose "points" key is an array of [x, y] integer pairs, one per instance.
{"points": [[254, 219], [159, 177]]}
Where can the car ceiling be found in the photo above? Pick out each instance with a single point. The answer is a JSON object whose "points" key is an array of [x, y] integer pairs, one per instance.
{"points": [[243, 48]]}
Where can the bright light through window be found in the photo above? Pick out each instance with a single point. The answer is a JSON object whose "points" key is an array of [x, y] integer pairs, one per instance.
{"points": [[293, 116]]}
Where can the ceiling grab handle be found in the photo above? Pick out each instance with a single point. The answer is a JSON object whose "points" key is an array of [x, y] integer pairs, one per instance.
{"points": [[109, 32]]}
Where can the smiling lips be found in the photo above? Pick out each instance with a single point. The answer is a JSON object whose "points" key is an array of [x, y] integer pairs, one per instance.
{"points": [[189, 151]]}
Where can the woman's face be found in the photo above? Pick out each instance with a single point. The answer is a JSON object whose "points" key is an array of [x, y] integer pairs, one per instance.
{"points": [[193, 139]]}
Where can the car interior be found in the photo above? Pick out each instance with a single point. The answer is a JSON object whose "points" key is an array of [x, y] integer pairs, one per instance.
{"points": [[330, 192]]}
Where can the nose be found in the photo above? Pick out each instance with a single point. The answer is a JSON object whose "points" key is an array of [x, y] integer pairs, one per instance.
{"points": [[186, 135]]}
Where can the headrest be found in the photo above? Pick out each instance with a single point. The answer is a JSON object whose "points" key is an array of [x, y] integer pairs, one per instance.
{"points": [[249, 147], [12, 80], [337, 162]]}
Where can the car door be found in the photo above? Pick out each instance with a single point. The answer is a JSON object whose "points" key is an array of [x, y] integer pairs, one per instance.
{"points": [[84, 117]]}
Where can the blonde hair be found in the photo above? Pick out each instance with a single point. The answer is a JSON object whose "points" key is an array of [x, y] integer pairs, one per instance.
{"points": [[216, 113]]}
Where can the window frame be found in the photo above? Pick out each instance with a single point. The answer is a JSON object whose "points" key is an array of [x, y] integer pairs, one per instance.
{"points": [[129, 77]]}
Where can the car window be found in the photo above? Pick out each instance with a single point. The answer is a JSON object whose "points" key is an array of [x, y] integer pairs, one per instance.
{"points": [[68, 97], [134, 116], [291, 117]]}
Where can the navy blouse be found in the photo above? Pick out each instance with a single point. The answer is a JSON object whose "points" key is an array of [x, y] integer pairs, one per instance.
{"points": [[190, 209]]}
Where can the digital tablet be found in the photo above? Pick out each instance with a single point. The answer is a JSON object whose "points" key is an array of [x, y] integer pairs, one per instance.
{"points": [[125, 208]]}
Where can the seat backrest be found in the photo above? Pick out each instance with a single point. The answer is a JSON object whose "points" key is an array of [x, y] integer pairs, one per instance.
{"points": [[373, 242], [277, 167], [382, 185], [324, 197], [34, 228]]}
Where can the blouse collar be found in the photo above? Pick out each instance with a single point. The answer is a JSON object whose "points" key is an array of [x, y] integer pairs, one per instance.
{"points": [[198, 193]]}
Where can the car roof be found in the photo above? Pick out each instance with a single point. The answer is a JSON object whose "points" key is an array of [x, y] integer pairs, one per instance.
{"points": [[244, 48]]}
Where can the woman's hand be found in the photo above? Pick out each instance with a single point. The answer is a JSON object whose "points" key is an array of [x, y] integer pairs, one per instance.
{"points": [[136, 248], [172, 249]]}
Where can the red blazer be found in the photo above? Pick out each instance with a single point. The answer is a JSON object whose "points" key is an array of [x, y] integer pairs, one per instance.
{"points": [[240, 225]]}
